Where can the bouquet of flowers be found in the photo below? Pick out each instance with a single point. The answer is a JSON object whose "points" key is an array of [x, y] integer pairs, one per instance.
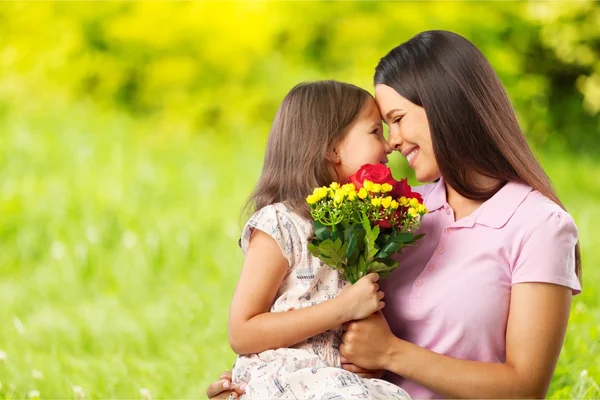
{"points": [[358, 226]]}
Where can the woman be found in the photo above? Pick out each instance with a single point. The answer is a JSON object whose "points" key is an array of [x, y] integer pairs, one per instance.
{"points": [[480, 307]]}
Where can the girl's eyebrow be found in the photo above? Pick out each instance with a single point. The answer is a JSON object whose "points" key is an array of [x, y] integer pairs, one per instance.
{"points": [[374, 125]]}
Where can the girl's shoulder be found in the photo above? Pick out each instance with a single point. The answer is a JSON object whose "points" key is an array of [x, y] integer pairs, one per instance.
{"points": [[281, 223]]}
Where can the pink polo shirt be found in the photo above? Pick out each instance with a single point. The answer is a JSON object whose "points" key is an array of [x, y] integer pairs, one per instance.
{"points": [[451, 293]]}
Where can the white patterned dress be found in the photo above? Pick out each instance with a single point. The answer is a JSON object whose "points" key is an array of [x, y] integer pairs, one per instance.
{"points": [[311, 369]]}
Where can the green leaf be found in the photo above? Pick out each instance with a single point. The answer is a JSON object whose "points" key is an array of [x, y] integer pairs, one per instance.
{"points": [[322, 232], [382, 268], [354, 235], [388, 249], [405, 237], [331, 252], [371, 235]]}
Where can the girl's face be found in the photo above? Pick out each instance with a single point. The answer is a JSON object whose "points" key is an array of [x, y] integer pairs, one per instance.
{"points": [[409, 132], [364, 143]]}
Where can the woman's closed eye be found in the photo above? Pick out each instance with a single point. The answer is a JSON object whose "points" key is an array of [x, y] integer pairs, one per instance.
{"points": [[397, 119]]}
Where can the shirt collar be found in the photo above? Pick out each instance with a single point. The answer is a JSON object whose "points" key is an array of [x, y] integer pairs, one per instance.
{"points": [[494, 212]]}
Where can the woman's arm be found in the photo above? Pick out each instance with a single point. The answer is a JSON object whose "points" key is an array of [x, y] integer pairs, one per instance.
{"points": [[252, 328], [537, 323]]}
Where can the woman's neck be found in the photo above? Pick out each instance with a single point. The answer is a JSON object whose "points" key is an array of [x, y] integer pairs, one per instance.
{"points": [[463, 206]]}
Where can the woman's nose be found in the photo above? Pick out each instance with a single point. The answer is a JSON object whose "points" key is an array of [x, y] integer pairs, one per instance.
{"points": [[395, 141]]}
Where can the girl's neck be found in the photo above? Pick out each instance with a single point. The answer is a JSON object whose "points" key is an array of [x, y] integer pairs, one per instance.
{"points": [[463, 206]]}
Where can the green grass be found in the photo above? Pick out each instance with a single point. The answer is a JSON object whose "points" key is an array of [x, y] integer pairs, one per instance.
{"points": [[119, 256]]}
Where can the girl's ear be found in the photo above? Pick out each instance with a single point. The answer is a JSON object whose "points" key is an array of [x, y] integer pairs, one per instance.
{"points": [[333, 157]]}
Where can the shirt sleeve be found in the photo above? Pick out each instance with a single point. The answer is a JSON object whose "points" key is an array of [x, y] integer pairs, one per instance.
{"points": [[547, 253], [276, 224]]}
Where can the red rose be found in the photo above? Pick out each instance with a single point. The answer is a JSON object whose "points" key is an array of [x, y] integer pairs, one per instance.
{"points": [[383, 224], [377, 173], [402, 188]]}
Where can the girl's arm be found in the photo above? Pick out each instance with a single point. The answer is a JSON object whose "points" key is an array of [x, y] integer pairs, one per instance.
{"points": [[253, 329], [536, 328]]}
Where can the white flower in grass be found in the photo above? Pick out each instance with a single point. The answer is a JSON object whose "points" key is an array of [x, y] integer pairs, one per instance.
{"points": [[583, 373], [2, 356], [129, 239], [37, 374], [145, 393], [34, 394], [78, 392], [58, 250]]}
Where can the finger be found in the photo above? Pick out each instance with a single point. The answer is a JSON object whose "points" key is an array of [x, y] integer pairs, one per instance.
{"points": [[373, 276], [355, 369], [381, 305], [380, 295], [217, 387], [343, 349], [376, 287], [369, 375], [226, 375]]}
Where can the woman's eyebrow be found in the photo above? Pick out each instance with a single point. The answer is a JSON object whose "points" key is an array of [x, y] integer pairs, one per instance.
{"points": [[389, 113]]}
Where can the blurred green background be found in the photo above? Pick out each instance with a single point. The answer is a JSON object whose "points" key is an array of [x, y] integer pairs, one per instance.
{"points": [[131, 134]]}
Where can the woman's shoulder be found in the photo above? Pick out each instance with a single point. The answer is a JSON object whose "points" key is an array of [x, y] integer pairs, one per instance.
{"points": [[424, 190], [537, 207]]}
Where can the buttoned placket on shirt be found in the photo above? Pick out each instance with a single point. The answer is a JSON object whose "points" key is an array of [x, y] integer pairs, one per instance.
{"points": [[451, 226]]}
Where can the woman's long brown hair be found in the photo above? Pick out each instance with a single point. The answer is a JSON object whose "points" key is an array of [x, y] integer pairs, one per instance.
{"points": [[473, 126]]}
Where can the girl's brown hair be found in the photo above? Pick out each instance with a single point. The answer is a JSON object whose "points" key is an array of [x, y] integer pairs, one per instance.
{"points": [[473, 125], [312, 119]]}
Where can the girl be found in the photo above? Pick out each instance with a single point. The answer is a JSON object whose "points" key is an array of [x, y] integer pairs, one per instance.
{"points": [[288, 307]]}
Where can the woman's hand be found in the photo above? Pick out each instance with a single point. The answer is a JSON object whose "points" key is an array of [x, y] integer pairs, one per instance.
{"points": [[362, 372], [361, 299], [224, 389], [367, 343]]}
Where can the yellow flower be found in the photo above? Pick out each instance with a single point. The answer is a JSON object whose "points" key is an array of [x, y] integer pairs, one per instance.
{"points": [[335, 186], [376, 188], [362, 193], [352, 196], [322, 192], [311, 199], [422, 209], [403, 201], [412, 212], [386, 187], [338, 198], [414, 202], [394, 205], [386, 202], [376, 201], [368, 185], [349, 187]]}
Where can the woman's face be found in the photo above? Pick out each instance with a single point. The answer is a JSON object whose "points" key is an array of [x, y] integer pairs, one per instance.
{"points": [[409, 132]]}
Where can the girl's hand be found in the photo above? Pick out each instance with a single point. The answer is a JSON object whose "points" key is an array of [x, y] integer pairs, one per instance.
{"points": [[366, 343], [224, 389], [363, 298], [362, 372]]}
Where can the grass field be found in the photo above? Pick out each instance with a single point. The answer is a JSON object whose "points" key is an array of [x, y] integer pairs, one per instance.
{"points": [[119, 257]]}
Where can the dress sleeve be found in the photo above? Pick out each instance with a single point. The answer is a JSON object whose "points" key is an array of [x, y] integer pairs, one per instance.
{"points": [[276, 224], [547, 253]]}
